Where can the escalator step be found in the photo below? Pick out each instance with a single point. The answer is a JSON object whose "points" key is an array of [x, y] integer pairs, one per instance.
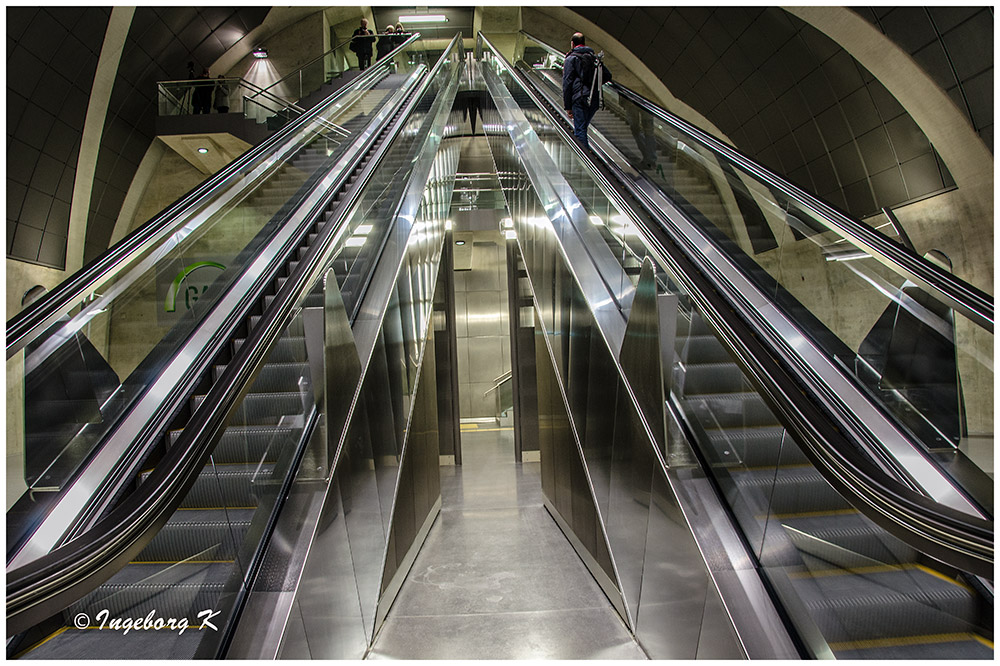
{"points": [[198, 536], [755, 447], [959, 646], [228, 486], [171, 590], [250, 444], [850, 532], [702, 378], [273, 377], [287, 349], [294, 330], [887, 605], [703, 349], [790, 491], [729, 410], [263, 408]]}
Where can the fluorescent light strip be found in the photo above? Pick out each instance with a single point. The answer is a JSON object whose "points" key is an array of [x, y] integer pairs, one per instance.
{"points": [[424, 18]]}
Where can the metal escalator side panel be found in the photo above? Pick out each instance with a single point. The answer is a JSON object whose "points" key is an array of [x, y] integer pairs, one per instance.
{"points": [[322, 197], [351, 493]]}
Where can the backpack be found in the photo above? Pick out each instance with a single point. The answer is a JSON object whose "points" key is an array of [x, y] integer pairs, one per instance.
{"points": [[592, 68]]}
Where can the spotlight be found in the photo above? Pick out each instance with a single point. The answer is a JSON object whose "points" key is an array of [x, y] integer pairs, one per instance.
{"points": [[260, 52]]}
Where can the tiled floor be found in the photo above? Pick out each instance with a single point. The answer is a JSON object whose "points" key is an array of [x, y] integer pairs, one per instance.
{"points": [[496, 579]]}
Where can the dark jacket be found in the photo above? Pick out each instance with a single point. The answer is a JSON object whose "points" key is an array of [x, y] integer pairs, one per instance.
{"points": [[363, 41], [578, 74], [386, 43]]}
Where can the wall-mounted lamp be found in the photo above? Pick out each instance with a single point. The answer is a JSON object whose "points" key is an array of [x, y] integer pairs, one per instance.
{"points": [[423, 18], [259, 52], [460, 242], [507, 223]]}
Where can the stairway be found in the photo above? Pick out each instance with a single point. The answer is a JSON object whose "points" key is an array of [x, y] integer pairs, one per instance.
{"points": [[870, 595]]}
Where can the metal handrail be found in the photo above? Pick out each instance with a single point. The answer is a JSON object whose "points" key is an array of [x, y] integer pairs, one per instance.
{"points": [[972, 302], [55, 580], [499, 381], [26, 325], [950, 535]]}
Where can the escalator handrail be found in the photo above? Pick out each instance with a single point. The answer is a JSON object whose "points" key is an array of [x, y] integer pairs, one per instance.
{"points": [[971, 301], [30, 322], [306, 274], [52, 582], [941, 531]]}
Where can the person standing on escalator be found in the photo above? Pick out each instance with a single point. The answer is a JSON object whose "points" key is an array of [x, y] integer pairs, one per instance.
{"points": [[583, 74], [362, 41]]}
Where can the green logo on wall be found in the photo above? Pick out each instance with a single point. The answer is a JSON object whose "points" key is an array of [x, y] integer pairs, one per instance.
{"points": [[191, 292]]}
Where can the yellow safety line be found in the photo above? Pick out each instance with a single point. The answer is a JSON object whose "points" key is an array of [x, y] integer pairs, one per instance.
{"points": [[985, 641], [493, 429], [469, 426], [41, 643], [906, 640], [811, 514], [875, 568], [938, 574]]}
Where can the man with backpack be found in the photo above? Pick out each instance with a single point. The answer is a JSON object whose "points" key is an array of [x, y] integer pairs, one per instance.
{"points": [[583, 75]]}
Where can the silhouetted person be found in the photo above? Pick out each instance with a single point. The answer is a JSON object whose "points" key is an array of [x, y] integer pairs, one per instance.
{"points": [[386, 43], [202, 97], [400, 35], [361, 44], [222, 95], [583, 75]]}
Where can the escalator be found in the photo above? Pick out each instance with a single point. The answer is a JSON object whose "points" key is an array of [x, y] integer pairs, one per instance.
{"points": [[198, 557], [257, 424], [851, 589]]}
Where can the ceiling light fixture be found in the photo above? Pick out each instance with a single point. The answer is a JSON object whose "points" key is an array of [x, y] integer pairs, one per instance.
{"points": [[260, 52], [423, 18], [203, 150]]}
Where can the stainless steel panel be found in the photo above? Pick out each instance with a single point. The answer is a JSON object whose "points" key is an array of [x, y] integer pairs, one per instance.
{"points": [[486, 361], [484, 311], [463, 250], [461, 313]]}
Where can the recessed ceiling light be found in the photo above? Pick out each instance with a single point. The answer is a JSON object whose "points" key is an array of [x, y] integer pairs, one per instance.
{"points": [[260, 52], [423, 18], [203, 150]]}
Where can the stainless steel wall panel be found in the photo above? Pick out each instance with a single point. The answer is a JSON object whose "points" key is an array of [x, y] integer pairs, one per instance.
{"points": [[483, 311], [675, 585]]}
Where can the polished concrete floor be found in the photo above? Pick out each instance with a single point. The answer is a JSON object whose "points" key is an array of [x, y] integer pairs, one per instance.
{"points": [[496, 578]]}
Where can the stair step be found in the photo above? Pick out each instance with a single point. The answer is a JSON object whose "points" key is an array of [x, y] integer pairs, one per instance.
{"points": [[250, 444], [198, 536], [701, 378], [263, 408], [171, 590], [228, 486], [287, 349], [729, 410], [273, 377], [755, 447]]}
